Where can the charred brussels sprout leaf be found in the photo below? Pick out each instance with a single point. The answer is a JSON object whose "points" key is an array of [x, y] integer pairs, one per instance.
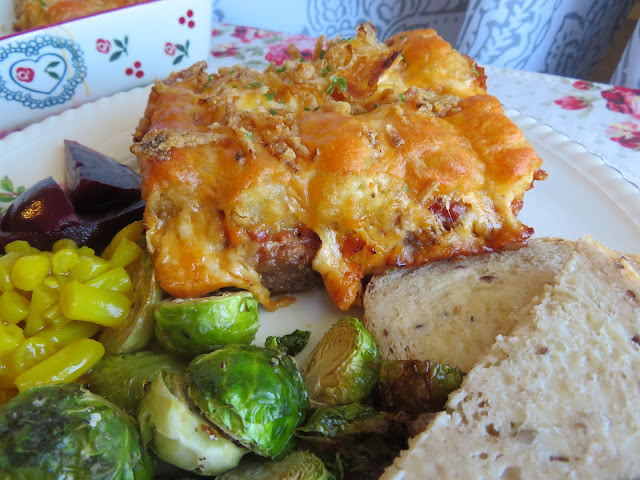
{"points": [[179, 435], [64, 431], [136, 332], [343, 367], [293, 343], [254, 394], [125, 378], [189, 327], [354, 438], [299, 465], [414, 386]]}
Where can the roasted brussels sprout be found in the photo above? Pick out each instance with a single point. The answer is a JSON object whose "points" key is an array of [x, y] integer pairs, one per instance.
{"points": [[355, 438], [299, 465], [64, 431], [343, 367], [254, 394], [293, 343], [189, 327], [125, 378], [179, 435], [136, 331], [414, 386]]}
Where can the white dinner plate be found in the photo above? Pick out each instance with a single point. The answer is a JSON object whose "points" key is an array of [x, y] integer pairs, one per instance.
{"points": [[582, 195]]}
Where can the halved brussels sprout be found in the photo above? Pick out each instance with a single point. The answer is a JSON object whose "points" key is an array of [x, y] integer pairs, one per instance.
{"points": [[136, 331], [415, 386], [179, 435], [355, 438], [192, 326], [299, 465], [293, 343], [125, 378], [254, 394], [343, 367], [64, 431]]}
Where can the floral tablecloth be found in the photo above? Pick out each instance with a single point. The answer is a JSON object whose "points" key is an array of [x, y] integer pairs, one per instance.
{"points": [[603, 118]]}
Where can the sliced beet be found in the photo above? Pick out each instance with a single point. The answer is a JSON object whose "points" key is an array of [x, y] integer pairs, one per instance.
{"points": [[95, 231], [42, 208], [97, 183]]}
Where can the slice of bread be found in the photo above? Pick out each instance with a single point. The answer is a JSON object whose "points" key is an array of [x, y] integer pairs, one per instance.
{"points": [[557, 398], [451, 311]]}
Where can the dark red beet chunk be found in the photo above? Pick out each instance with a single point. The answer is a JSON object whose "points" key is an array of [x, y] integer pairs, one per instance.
{"points": [[95, 231], [42, 208], [97, 183]]}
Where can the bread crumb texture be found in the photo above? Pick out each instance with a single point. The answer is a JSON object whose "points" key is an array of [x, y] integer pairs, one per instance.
{"points": [[557, 398]]}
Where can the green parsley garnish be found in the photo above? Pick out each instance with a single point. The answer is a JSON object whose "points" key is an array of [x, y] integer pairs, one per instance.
{"points": [[281, 69], [302, 60], [231, 71], [307, 109], [402, 37], [404, 60], [473, 66], [340, 82], [209, 79], [322, 53], [249, 135], [272, 111], [253, 85], [325, 71], [401, 96], [270, 96]]}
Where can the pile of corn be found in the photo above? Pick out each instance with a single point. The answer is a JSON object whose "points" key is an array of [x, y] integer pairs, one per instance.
{"points": [[52, 303]]}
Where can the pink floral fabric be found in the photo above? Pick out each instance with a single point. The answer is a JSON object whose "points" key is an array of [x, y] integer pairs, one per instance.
{"points": [[623, 100]]}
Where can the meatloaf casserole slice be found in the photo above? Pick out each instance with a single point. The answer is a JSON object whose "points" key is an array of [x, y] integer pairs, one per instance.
{"points": [[368, 156]]}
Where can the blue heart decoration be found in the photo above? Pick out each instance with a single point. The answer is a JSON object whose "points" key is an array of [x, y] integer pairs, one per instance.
{"points": [[41, 72], [42, 75]]}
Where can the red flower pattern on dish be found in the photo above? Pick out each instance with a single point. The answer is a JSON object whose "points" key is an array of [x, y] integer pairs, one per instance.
{"points": [[170, 49], [103, 45], [25, 74]]}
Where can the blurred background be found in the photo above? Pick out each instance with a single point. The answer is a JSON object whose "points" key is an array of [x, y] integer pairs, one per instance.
{"points": [[588, 39]]}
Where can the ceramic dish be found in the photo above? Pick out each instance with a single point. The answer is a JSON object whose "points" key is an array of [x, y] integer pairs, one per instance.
{"points": [[50, 69]]}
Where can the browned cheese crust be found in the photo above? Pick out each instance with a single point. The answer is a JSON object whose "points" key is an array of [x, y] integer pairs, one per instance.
{"points": [[369, 156], [38, 13]]}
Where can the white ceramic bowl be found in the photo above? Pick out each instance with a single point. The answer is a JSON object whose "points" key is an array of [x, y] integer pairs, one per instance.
{"points": [[48, 70]]}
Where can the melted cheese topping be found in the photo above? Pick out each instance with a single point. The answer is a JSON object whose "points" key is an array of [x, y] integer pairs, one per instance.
{"points": [[391, 153]]}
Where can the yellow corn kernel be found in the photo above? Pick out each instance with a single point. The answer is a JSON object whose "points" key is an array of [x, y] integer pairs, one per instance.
{"points": [[131, 232], [29, 353], [88, 267], [64, 366], [10, 337], [64, 260], [91, 304], [20, 246], [86, 251], [73, 330], [53, 316], [6, 264], [29, 271], [64, 244], [126, 252], [13, 307], [42, 298], [115, 279]]}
